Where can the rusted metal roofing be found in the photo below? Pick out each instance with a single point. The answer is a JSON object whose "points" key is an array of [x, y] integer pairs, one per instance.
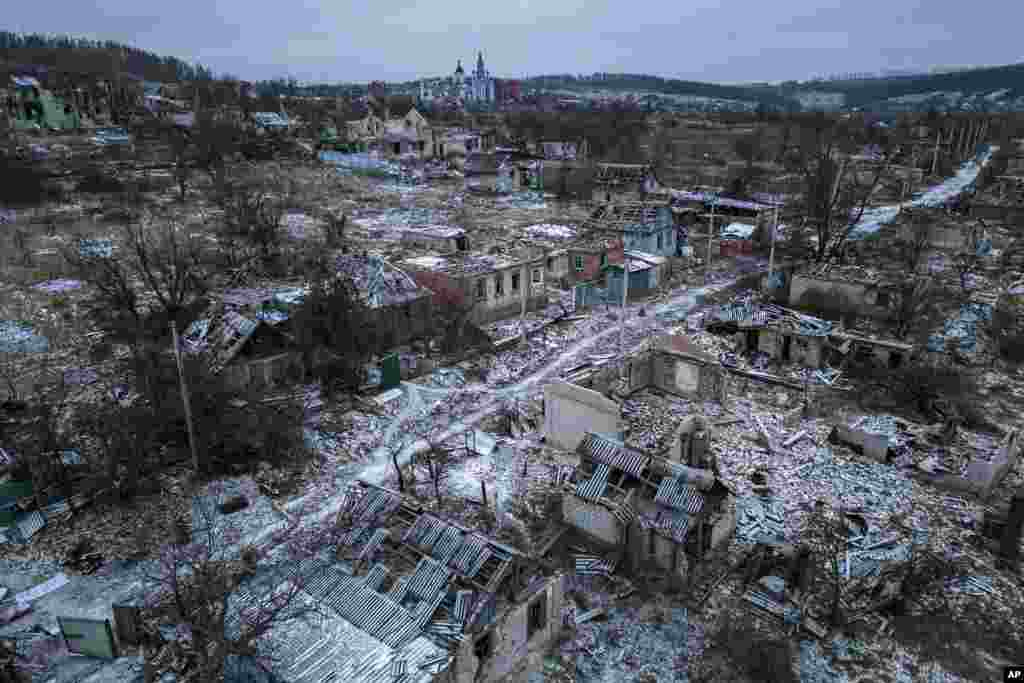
{"points": [[614, 455], [677, 494]]}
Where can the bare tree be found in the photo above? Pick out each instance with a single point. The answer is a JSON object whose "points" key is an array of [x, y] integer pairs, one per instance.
{"points": [[826, 533], [968, 259], [336, 328], [914, 305], [206, 564], [835, 192], [916, 238]]}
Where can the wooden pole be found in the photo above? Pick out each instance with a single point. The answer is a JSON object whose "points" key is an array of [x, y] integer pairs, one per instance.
{"points": [[771, 254], [935, 152], [625, 291], [711, 234], [184, 397]]}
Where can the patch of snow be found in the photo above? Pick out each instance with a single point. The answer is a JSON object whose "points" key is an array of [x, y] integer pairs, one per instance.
{"points": [[549, 230]]}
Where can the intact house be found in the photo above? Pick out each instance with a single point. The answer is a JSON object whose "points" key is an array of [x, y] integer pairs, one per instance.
{"points": [[493, 287], [491, 173], [646, 273], [407, 596], [624, 182]]}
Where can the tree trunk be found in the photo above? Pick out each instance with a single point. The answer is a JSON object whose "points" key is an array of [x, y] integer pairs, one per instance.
{"points": [[398, 473]]}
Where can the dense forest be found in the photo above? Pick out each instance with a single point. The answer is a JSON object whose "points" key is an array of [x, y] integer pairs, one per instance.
{"points": [[38, 53]]}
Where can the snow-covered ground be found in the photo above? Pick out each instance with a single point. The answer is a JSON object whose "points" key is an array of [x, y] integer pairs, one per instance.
{"points": [[874, 219]]}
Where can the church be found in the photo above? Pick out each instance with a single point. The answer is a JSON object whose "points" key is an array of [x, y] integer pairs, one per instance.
{"points": [[476, 87]]}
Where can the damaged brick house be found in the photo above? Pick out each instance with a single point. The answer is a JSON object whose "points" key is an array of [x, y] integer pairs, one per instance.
{"points": [[495, 286]]}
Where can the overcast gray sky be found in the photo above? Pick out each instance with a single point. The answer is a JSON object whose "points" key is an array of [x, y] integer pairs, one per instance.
{"points": [[394, 40]]}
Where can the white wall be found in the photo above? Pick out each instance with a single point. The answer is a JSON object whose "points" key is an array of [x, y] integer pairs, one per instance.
{"points": [[592, 518], [571, 411]]}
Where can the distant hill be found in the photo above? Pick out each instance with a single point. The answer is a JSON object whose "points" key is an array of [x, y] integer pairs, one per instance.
{"points": [[28, 53], [997, 88], [1007, 81]]}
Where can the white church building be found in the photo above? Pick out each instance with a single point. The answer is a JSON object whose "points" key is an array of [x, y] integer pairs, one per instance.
{"points": [[475, 87]]}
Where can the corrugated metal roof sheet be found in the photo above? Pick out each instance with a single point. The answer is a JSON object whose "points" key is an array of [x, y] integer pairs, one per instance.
{"points": [[672, 523], [614, 455], [594, 488], [677, 494]]}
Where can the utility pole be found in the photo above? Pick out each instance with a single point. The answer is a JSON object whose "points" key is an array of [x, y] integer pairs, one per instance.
{"points": [[184, 397], [771, 253], [935, 153], [711, 234], [625, 291]]}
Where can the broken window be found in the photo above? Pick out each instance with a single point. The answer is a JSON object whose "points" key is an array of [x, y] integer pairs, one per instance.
{"points": [[537, 617], [895, 359], [578, 262], [484, 647], [538, 277], [883, 299], [499, 285], [481, 289], [551, 264], [515, 282]]}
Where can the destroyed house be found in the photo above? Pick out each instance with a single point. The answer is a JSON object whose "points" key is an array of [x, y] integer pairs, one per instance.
{"points": [[491, 173], [440, 238], [850, 290], [788, 336], [245, 350], [455, 605], [624, 182], [587, 401], [400, 306], [645, 509], [493, 285], [644, 227]]}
